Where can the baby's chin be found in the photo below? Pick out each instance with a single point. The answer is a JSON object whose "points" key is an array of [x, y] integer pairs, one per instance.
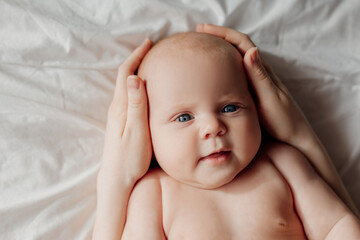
{"points": [[210, 182]]}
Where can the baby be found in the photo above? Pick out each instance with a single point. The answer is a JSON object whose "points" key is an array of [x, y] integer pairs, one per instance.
{"points": [[218, 180]]}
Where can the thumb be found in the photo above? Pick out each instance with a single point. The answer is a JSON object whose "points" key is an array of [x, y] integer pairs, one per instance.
{"points": [[137, 102], [259, 78]]}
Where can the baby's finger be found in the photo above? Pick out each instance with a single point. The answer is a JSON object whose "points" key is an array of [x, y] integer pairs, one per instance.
{"points": [[240, 40], [137, 105], [128, 67]]}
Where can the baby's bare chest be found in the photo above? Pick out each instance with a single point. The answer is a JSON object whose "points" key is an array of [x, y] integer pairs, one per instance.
{"points": [[258, 204]]}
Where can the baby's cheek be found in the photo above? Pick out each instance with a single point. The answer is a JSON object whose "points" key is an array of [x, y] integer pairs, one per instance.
{"points": [[171, 143], [253, 136], [172, 148], [246, 135], [163, 144]]}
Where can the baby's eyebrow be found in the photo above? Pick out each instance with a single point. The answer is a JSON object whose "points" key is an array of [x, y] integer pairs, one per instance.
{"points": [[169, 112], [238, 96], [180, 107]]}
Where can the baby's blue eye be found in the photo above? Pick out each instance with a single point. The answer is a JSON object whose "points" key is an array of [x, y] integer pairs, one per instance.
{"points": [[184, 118], [229, 108]]}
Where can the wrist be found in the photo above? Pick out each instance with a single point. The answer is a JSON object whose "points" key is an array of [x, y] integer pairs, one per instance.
{"points": [[113, 193], [113, 179], [304, 136], [310, 145]]}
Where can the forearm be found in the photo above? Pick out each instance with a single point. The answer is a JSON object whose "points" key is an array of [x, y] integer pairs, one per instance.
{"points": [[309, 144], [322, 213], [113, 194], [317, 205], [346, 228]]}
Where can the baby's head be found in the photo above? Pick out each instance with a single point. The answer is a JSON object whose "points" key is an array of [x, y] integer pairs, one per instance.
{"points": [[203, 120]]}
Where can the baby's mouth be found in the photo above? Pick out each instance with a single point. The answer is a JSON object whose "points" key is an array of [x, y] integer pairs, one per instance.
{"points": [[216, 157]]}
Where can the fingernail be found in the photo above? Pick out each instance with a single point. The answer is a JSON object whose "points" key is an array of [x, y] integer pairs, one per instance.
{"points": [[133, 82], [146, 40], [255, 57]]}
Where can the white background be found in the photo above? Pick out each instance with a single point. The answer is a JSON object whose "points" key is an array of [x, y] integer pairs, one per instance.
{"points": [[58, 63]]}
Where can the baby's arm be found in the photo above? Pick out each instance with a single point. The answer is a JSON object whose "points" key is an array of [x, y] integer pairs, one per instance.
{"points": [[323, 214], [144, 213]]}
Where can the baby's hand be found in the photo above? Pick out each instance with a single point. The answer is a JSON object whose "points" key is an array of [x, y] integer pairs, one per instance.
{"points": [[127, 149], [278, 112]]}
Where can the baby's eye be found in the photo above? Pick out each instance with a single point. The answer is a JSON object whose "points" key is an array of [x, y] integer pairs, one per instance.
{"points": [[229, 108], [184, 117]]}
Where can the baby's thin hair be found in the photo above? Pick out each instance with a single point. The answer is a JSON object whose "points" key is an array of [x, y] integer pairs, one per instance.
{"points": [[200, 41]]}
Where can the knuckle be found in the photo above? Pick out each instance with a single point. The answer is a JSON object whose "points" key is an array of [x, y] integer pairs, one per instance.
{"points": [[135, 102], [266, 65], [261, 72], [132, 134], [114, 112], [246, 37]]}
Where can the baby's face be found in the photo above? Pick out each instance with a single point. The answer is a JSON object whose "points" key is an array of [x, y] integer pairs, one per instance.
{"points": [[203, 121]]}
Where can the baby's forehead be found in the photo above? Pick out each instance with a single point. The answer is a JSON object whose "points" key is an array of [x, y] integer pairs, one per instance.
{"points": [[186, 45], [195, 43], [183, 62]]}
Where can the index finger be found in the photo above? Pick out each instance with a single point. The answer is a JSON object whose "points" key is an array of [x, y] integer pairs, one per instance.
{"points": [[127, 68], [240, 40]]}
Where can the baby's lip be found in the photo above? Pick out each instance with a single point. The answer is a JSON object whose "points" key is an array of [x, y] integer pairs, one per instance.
{"points": [[216, 158], [216, 154]]}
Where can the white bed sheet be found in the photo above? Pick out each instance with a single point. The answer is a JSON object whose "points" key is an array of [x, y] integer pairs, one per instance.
{"points": [[58, 63]]}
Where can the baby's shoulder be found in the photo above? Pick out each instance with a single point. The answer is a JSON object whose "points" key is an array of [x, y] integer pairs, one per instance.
{"points": [[154, 185], [150, 183], [289, 161], [144, 220]]}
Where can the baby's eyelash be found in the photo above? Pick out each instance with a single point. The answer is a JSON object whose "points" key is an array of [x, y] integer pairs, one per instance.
{"points": [[232, 107], [227, 109], [185, 117]]}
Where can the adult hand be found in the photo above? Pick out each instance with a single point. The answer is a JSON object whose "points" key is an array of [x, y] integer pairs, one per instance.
{"points": [[127, 148], [278, 112]]}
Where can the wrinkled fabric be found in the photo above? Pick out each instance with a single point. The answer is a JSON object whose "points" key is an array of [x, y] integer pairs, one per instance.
{"points": [[58, 62]]}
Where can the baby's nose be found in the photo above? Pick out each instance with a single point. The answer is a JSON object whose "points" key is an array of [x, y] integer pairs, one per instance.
{"points": [[212, 127]]}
